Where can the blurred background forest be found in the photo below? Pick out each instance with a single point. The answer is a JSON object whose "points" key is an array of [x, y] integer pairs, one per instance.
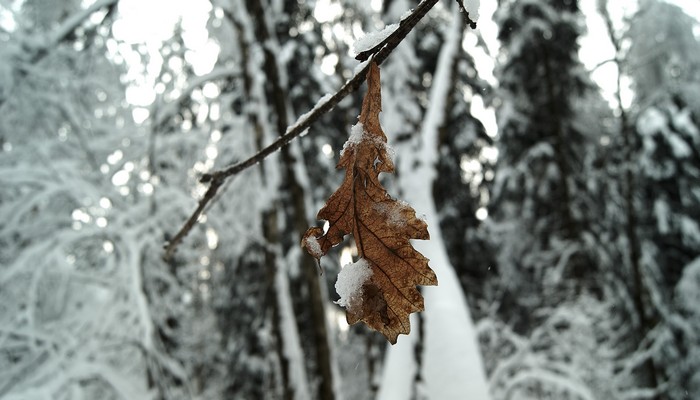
{"points": [[558, 143]]}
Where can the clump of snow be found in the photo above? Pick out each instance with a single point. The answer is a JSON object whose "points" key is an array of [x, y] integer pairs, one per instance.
{"points": [[350, 281], [663, 215], [690, 230], [356, 133], [472, 7], [679, 147], [313, 246], [372, 39], [390, 150], [651, 121]]}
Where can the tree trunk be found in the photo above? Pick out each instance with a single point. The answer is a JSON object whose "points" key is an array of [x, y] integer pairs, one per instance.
{"points": [[452, 366], [278, 96]]}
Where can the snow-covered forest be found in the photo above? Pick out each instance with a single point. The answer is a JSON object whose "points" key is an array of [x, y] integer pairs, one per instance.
{"points": [[553, 150]]}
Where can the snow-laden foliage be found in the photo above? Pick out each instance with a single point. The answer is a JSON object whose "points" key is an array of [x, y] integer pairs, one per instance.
{"points": [[560, 358], [541, 206], [663, 53], [659, 165], [543, 336], [75, 320], [668, 163]]}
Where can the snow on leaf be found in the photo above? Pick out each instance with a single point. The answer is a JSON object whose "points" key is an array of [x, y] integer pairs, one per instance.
{"points": [[313, 247], [381, 226], [350, 281]]}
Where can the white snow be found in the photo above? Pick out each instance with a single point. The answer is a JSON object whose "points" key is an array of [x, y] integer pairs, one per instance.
{"points": [[314, 247], [350, 281], [303, 117], [690, 230], [372, 39], [472, 7], [663, 215], [291, 341], [356, 133], [679, 147], [651, 121], [400, 368], [688, 287], [392, 214]]}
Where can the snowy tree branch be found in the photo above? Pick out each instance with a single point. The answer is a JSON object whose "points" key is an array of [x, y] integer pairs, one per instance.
{"points": [[217, 178], [71, 24], [67, 28], [38, 51], [405, 26]]}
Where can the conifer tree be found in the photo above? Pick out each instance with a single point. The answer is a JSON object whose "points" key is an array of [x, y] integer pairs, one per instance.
{"points": [[664, 64], [540, 205]]}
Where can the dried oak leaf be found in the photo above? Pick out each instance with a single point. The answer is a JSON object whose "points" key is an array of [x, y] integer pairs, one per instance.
{"points": [[382, 228]]}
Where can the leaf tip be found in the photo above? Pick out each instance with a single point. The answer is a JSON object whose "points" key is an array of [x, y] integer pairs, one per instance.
{"points": [[311, 244]]}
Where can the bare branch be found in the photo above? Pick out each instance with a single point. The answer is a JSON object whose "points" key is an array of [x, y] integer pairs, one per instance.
{"points": [[216, 178], [189, 224]]}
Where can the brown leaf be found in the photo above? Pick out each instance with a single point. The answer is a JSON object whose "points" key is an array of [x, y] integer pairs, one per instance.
{"points": [[382, 228]]}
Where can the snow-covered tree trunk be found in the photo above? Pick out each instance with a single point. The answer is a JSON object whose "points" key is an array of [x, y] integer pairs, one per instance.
{"points": [[294, 184], [452, 366]]}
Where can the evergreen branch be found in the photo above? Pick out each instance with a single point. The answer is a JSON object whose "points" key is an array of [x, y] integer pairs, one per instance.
{"points": [[217, 178]]}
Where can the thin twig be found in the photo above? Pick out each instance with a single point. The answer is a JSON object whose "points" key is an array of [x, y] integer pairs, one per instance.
{"points": [[216, 178], [189, 224]]}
